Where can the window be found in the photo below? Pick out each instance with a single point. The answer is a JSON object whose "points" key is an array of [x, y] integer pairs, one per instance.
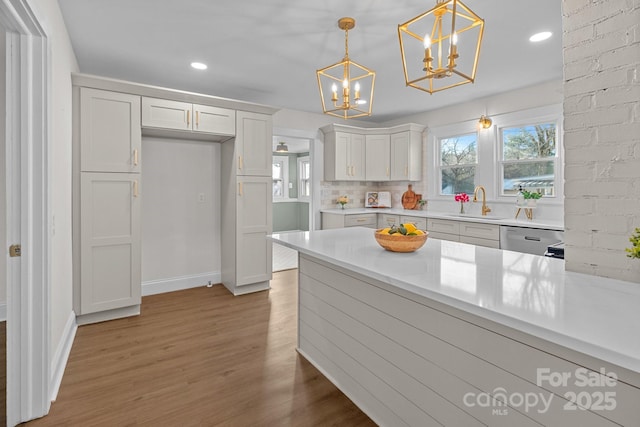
{"points": [[280, 172], [528, 158], [458, 160], [304, 177]]}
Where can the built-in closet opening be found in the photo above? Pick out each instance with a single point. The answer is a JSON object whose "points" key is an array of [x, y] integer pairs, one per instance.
{"points": [[181, 241]]}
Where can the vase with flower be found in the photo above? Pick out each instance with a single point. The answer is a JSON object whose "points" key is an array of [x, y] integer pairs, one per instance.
{"points": [[462, 198], [343, 200]]}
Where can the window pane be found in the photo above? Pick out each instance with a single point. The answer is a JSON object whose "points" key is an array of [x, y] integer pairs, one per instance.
{"points": [[458, 180], [277, 170], [459, 150], [529, 142], [532, 176]]}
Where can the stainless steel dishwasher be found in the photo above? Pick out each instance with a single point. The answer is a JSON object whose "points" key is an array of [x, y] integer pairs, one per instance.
{"points": [[528, 240]]}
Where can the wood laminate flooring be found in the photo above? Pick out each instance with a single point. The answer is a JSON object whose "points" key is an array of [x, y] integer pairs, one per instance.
{"points": [[200, 357]]}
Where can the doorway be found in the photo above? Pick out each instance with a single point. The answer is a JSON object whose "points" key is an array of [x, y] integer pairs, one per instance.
{"points": [[292, 190]]}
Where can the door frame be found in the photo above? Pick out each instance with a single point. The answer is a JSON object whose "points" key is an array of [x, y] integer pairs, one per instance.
{"points": [[28, 212]]}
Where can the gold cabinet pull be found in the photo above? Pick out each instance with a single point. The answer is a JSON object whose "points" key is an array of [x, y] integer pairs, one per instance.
{"points": [[135, 157], [197, 118], [135, 188], [188, 117], [240, 189], [406, 170], [240, 162], [387, 170]]}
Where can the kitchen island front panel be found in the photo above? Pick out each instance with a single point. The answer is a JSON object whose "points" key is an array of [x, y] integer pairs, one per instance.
{"points": [[475, 313]]}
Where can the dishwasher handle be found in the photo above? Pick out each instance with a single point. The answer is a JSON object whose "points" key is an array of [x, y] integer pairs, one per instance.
{"points": [[534, 238]]}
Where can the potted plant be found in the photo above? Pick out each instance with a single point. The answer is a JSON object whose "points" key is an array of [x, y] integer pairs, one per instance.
{"points": [[422, 203], [462, 198], [634, 250], [531, 197]]}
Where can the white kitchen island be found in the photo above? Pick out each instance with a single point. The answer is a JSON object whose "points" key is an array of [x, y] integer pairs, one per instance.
{"points": [[459, 335]]}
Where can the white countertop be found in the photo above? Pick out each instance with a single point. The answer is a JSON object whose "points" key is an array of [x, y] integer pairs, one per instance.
{"points": [[533, 294], [522, 220]]}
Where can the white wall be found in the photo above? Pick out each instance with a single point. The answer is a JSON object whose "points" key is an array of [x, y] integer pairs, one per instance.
{"points": [[3, 201], [63, 62], [180, 233], [601, 48]]}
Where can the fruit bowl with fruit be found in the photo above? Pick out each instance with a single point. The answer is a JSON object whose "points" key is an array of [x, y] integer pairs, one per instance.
{"points": [[403, 238]]}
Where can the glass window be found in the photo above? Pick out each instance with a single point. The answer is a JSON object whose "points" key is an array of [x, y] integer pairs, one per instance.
{"points": [[280, 172], [458, 160], [529, 158], [304, 177]]}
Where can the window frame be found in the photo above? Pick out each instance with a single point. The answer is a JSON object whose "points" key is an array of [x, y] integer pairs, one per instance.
{"points": [[285, 177]]}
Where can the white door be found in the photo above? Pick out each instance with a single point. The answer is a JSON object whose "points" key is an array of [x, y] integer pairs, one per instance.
{"points": [[109, 131], [377, 153], [253, 144], [110, 241], [254, 223]]}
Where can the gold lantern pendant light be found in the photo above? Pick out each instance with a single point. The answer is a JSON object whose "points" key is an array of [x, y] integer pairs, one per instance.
{"points": [[441, 47], [356, 82]]}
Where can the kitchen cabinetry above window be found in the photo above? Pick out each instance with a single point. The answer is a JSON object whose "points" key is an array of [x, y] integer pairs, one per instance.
{"points": [[184, 116], [376, 154]]}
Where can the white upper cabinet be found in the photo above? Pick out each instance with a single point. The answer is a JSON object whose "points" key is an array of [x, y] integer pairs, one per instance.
{"points": [[176, 115], [373, 154], [377, 158], [406, 156], [109, 131], [253, 144], [344, 157]]}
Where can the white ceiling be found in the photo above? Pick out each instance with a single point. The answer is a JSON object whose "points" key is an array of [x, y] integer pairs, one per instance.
{"points": [[267, 51]]}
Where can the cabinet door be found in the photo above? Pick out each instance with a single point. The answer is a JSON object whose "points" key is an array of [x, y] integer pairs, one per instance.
{"points": [[110, 131], [357, 157], [166, 114], [254, 223], [377, 159], [400, 156], [387, 220], [219, 121], [110, 240], [341, 151], [419, 222], [254, 144]]}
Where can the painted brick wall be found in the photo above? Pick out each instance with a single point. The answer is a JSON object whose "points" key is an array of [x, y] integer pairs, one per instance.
{"points": [[601, 48]]}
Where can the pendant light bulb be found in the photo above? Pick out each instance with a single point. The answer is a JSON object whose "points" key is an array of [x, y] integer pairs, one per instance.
{"points": [[427, 41], [345, 84]]}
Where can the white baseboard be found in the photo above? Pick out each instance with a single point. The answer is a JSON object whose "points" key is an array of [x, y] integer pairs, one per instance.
{"points": [[161, 286], [60, 358], [3, 312]]}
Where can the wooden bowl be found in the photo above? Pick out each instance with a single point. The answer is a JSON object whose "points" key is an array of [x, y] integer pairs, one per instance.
{"points": [[399, 242]]}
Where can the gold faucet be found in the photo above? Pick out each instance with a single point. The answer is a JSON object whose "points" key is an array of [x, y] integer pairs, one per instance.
{"points": [[485, 208]]}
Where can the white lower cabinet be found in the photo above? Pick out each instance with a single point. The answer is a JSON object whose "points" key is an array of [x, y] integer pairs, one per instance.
{"points": [[330, 220], [110, 241], [476, 233], [388, 220], [254, 257]]}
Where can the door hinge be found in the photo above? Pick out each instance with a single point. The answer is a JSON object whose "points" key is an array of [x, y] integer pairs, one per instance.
{"points": [[15, 250]]}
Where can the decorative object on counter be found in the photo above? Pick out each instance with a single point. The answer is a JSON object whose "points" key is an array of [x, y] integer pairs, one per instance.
{"points": [[404, 238], [409, 198], [355, 81], [377, 199], [520, 201], [422, 203], [431, 58], [528, 211], [343, 200], [634, 250], [531, 198], [462, 198]]}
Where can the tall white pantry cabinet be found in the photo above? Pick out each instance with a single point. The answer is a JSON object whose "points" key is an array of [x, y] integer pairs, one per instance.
{"points": [[110, 117]]}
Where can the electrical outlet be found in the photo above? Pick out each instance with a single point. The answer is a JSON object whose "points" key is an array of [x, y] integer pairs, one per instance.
{"points": [[291, 185], [201, 198]]}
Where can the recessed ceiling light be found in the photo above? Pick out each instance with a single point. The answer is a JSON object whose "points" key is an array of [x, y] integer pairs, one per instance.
{"points": [[199, 65], [538, 37]]}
